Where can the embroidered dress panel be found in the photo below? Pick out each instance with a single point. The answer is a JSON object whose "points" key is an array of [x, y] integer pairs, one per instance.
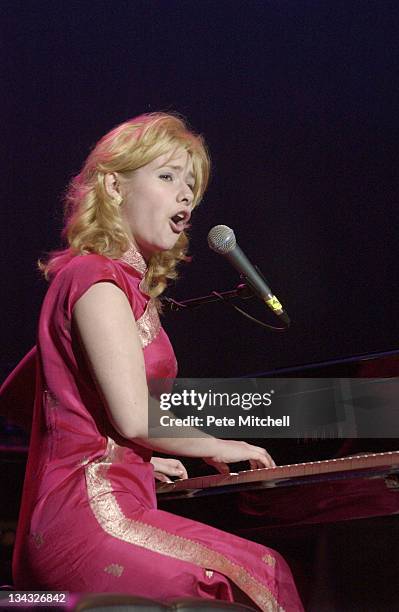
{"points": [[109, 515]]}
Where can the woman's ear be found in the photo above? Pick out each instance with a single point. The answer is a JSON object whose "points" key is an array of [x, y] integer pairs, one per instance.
{"points": [[111, 185]]}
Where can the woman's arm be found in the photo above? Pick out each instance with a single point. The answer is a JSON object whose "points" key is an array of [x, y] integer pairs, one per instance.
{"points": [[110, 338]]}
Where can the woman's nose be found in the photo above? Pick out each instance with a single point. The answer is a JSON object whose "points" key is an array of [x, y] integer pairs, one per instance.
{"points": [[185, 194]]}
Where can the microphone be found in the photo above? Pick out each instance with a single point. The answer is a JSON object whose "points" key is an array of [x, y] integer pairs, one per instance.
{"points": [[222, 240]]}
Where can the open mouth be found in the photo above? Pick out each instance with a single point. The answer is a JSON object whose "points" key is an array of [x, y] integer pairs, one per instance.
{"points": [[179, 221]]}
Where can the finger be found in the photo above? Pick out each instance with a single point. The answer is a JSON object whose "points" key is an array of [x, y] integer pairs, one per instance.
{"points": [[257, 465], [261, 461], [264, 456], [181, 471], [221, 467], [175, 470]]}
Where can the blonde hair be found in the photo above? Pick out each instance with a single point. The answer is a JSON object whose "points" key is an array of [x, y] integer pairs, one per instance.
{"points": [[93, 218]]}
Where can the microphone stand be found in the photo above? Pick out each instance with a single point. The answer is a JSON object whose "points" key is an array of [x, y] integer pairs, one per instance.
{"points": [[242, 291]]}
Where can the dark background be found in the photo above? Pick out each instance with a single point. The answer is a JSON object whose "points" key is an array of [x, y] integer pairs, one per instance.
{"points": [[298, 101]]}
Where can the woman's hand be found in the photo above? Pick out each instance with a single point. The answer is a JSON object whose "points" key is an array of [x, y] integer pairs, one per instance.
{"points": [[233, 451], [168, 467]]}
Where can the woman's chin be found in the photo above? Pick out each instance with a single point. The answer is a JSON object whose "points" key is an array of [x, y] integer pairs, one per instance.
{"points": [[160, 247]]}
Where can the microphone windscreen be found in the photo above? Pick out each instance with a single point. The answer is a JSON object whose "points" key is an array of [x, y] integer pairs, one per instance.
{"points": [[221, 239]]}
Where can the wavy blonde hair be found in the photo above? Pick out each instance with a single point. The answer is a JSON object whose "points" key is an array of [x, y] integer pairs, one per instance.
{"points": [[93, 218]]}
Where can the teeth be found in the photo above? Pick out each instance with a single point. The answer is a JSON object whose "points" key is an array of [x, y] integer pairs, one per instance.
{"points": [[178, 217]]}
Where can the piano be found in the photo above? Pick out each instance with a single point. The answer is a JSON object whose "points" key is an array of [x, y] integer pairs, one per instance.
{"points": [[357, 486], [331, 508]]}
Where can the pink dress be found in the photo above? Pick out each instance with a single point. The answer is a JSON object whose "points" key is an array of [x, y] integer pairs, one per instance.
{"points": [[89, 520]]}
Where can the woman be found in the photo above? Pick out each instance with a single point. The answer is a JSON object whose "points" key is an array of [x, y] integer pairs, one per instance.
{"points": [[88, 520]]}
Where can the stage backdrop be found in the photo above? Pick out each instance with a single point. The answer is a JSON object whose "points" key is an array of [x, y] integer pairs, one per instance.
{"points": [[298, 101]]}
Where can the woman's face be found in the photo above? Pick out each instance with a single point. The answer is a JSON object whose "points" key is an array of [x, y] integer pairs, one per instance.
{"points": [[157, 201]]}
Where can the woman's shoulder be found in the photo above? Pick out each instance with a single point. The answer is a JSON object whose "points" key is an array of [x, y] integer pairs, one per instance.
{"points": [[82, 271], [91, 266], [88, 261]]}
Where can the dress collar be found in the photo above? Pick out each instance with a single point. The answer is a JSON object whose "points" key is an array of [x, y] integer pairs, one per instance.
{"points": [[134, 258]]}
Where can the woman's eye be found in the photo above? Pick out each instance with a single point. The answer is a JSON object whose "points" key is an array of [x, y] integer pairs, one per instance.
{"points": [[166, 177]]}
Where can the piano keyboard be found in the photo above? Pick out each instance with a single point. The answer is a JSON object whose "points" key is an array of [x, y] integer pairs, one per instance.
{"points": [[389, 460]]}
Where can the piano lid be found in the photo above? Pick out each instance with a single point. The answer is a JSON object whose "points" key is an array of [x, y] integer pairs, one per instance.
{"points": [[379, 364]]}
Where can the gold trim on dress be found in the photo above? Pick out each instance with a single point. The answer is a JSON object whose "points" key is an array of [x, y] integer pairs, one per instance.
{"points": [[269, 560], [135, 259], [83, 461], [38, 539], [112, 520], [114, 569], [148, 324], [50, 399]]}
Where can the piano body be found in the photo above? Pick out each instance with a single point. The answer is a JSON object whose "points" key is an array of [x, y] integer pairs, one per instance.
{"points": [[332, 513]]}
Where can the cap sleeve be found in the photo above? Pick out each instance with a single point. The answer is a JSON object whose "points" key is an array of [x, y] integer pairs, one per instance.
{"points": [[83, 272]]}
